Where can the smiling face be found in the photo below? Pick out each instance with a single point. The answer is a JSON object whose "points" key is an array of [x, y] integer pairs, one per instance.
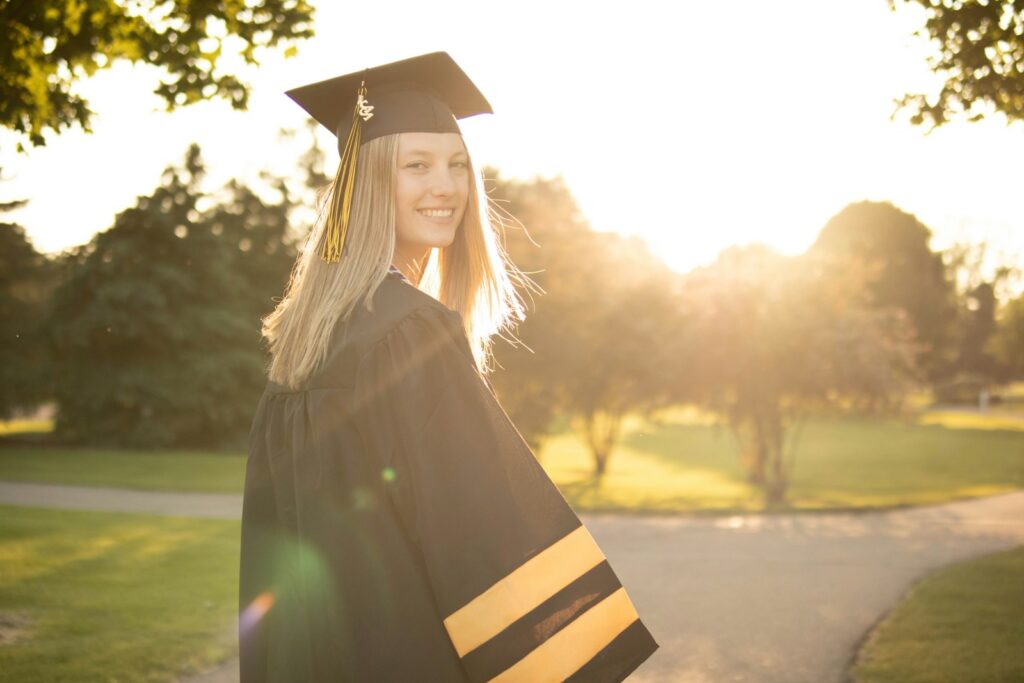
{"points": [[431, 190]]}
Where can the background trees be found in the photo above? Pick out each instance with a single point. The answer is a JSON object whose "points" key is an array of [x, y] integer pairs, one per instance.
{"points": [[155, 331], [774, 339], [980, 49], [539, 218], [890, 250], [761, 339], [980, 293], [26, 278], [599, 339], [1007, 344], [50, 45]]}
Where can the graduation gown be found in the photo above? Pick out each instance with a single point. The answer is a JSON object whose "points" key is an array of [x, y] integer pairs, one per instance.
{"points": [[396, 527]]}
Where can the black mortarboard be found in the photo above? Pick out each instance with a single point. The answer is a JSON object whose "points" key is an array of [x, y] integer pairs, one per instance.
{"points": [[425, 94]]}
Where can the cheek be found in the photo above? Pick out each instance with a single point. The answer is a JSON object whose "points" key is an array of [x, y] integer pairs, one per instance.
{"points": [[406, 196], [404, 212]]}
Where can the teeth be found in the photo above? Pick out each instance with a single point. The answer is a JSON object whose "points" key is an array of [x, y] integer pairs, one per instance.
{"points": [[437, 213]]}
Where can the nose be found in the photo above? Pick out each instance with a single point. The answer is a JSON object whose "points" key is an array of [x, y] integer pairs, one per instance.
{"points": [[444, 183]]}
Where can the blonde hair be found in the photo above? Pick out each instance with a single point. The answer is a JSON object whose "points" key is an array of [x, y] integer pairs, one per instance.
{"points": [[472, 275]]}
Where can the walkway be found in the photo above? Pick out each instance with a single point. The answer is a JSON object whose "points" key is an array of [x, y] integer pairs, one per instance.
{"points": [[752, 598]]}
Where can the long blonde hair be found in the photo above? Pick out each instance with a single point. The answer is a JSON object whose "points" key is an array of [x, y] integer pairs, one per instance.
{"points": [[472, 275]]}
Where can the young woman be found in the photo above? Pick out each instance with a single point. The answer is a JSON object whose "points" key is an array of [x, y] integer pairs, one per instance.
{"points": [[396, 527]]}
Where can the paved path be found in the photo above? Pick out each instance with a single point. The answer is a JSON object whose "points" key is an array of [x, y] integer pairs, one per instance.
{"points": [[788, 598], [209, 505], [758, 598]]}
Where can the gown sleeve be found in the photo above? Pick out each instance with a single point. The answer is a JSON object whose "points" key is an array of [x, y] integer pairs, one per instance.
{"points": [[524, 592]]}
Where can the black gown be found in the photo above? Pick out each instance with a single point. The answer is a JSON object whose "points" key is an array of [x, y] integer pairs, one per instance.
{"points": [[396, 527]]}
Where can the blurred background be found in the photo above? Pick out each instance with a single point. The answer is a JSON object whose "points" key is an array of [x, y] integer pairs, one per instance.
{"points": [[777, 251]]}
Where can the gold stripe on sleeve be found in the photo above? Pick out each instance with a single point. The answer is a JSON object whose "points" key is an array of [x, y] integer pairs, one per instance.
{"points": [[530, 584], [564, 653]]}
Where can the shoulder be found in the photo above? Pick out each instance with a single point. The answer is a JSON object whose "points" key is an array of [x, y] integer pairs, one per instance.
{"points": [[397, 306], [399, 317]]}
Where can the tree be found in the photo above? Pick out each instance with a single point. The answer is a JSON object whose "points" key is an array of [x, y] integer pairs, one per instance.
{"points": [[978, 326], [539, 218], [981, 55], [890, 249], [1007, 344], [773, 339], [610, 333], [979, 290], [156, 329], [48, 46], [24, 287], [601, 332]]}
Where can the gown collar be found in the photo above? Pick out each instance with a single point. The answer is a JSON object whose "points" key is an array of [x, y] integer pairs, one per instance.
{"points": [[392, 270]]}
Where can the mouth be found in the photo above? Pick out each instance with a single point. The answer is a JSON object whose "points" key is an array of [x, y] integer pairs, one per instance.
{"points": [[436, 213]]}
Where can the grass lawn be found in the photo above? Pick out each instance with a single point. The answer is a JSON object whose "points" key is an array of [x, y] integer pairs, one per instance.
{"points": [[683, 465], [963, 623], [145, 470], [88, 596], [676, 463]]}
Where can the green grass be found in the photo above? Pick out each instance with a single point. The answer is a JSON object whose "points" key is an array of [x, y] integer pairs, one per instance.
{"points": [[108, 597], [963, 623], [144, 470], [685, 465], [678, 462]]}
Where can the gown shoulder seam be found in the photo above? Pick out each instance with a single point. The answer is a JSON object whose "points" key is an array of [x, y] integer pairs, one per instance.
{"points": [[438, 312]]}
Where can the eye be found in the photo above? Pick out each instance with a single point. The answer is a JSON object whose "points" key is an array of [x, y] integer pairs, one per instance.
{"points": [[460, 164], [419, 165]]}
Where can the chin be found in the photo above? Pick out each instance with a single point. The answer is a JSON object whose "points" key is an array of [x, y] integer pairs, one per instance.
{"points": [[447, 242], [439, 239]]}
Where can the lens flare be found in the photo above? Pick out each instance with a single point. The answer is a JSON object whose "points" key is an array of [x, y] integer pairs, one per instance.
{"points": [[255, 611]]}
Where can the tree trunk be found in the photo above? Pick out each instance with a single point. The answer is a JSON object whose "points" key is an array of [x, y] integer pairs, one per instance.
{"points": [[761, 435], [777, 481], [601, 430]]}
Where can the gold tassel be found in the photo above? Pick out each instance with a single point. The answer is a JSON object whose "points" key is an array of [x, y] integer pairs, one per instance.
{"points": [[333, 241]]}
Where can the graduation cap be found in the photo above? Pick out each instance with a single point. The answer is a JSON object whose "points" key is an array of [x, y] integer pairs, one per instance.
{"points": [[425, 94]]}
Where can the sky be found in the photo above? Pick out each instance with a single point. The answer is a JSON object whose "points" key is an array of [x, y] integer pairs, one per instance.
{"points": [[694, 125]]}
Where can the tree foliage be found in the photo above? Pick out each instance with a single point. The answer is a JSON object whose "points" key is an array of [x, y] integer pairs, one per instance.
{"points": [[979, 290], [156, 329], [889, 249], [978, 325], [1007, 344], [980, 54], [544, 211], [599, 336], [48, 46], [611, 334], [25, 276], [773, 339]]}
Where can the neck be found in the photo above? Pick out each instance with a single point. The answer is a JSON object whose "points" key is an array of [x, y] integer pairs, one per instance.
{"points": [[410, 259]]}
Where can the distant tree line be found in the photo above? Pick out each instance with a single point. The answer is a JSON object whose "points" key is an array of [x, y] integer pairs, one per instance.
{"points": [[760, 339], [148, 336]]}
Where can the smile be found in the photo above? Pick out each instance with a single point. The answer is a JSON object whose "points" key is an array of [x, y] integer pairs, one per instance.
{"points": [[436, 213]]}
